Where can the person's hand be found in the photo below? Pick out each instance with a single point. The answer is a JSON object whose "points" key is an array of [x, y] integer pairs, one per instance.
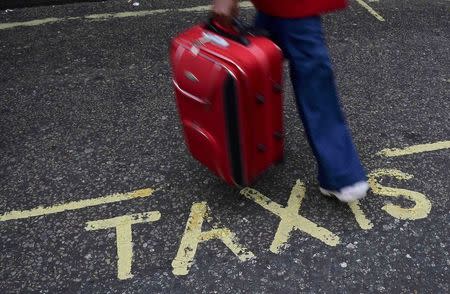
{"points": [[224, 11]]}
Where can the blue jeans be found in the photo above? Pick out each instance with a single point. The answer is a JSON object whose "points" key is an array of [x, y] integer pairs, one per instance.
{"points": [[303, 44]]}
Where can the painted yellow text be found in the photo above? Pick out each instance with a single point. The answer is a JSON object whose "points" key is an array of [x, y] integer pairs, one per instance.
{"points": [[124, 240], [290, 218], [193, 235], [422, 206]]}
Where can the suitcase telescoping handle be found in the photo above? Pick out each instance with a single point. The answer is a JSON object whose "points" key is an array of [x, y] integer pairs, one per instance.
{"points": [[237, 34]]}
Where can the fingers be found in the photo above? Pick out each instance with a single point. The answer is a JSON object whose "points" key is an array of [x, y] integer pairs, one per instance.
{"points": [[224, 11]]}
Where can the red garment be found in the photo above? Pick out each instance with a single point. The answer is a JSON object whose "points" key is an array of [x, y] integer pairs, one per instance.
{"points": [[298, 8]]}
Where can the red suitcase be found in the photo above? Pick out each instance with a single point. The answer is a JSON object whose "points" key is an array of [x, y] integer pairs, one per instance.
{"points": [[229, 98]]}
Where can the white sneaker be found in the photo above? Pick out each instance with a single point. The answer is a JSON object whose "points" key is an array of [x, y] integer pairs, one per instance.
{"points": [[348, 193]]}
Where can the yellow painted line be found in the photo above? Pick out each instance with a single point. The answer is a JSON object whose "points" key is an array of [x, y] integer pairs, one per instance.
{"points": [[124, 237], [31, 23], [106, 16], [370, 10], [243, 4], [39, 211], [415, 149]]}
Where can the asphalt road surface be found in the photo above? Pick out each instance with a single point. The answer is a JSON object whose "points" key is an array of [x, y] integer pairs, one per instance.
{"points": [[99, 195]]}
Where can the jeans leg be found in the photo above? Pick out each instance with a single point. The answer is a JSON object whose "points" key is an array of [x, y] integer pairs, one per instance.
{"points": [[261, 20], [266, 22], [318, 103]]}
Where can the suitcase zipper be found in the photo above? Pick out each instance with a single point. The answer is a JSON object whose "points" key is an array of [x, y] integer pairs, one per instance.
{"points": [[232, 123]]}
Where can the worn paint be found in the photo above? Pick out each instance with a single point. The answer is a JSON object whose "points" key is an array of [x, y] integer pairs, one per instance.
{"points": [[370, 10], [31, 23], [242, 5], [421, 148], [363, 222], [290, 217], [124, 240], [422, 206], [107, 16], [193, 236], [74, 205]]}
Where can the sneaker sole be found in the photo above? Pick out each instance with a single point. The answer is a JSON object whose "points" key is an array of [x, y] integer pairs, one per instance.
{"points": [[326, 193], [342, 199]]}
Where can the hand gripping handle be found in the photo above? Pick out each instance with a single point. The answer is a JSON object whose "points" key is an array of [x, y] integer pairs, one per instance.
{"points": [[237, 33]]}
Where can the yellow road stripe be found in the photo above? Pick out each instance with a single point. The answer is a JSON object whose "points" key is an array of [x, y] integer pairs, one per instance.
{"points": [[370, 10], [31, 23], [39, 211], [415, 149], [106, 16], [244, 4]]}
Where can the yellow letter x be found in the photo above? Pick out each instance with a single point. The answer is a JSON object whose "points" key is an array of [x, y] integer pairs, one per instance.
{"points": [[290, 219]]}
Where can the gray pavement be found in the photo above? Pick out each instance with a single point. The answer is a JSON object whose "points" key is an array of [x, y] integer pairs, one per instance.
{"points": [[87, 110]]}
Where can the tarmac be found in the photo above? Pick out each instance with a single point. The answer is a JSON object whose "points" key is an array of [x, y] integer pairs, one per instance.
{"points": [[98, 193]]}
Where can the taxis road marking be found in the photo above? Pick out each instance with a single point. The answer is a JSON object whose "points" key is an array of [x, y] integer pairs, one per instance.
{"points": [[421, 148], [106, 16], [370, 10], [39, 211], [290, 218]]}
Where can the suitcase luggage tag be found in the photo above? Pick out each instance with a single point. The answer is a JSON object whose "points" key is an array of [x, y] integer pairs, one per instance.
{"points": [[209, 38], [218, 35]]}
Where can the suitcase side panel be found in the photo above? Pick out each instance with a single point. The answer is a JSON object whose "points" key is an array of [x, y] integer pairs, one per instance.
{"points": [[202, 111], [264, 107]]}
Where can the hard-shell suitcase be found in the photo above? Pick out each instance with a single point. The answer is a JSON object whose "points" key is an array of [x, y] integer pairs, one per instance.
{"points": [[228, 90]]}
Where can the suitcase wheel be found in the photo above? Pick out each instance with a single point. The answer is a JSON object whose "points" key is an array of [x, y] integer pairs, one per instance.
{"points": [[278, 136], [260, 99], [277, 88], [262, 148]]}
